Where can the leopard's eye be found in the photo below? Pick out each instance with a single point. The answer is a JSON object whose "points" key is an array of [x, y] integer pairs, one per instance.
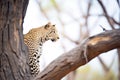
{"points": [[54, 25]]}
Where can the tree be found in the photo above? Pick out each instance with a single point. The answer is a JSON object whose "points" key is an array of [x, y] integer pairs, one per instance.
{"points": [[71, 60], [14, 54]]}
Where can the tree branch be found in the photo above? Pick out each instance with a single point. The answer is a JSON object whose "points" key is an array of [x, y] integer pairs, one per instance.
{"points": [[106, 14], [75, 58]]}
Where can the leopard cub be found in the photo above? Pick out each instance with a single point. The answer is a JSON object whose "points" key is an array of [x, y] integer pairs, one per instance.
{"points": [[34, 40]]}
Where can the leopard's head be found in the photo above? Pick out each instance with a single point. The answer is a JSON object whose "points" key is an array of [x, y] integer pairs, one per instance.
{"points": [[52, 33]]}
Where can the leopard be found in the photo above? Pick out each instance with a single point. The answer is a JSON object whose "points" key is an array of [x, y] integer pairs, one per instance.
{"points": [[34, 40]]}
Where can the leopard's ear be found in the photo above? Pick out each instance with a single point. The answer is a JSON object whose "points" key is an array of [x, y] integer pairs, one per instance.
{"points": [[47, 25]]}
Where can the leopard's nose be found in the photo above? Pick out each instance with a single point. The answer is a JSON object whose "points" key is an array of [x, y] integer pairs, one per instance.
{"points": [[57, 37]]}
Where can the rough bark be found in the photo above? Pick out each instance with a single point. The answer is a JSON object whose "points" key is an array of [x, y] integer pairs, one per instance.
{"points": [[13, 53], [75, 58], [118, 50]]}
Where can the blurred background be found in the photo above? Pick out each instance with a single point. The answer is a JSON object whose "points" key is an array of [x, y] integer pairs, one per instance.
{"points": [[76, 20]]}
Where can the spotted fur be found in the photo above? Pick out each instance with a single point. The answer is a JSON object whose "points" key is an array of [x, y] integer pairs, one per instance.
{"points": [[34, 39]]}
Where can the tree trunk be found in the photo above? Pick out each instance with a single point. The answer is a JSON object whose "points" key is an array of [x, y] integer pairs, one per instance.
{"points": [[118, 50], [13, 53]]}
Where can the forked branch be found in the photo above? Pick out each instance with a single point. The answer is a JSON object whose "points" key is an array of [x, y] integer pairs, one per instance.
{"points": [[75, 58]]}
